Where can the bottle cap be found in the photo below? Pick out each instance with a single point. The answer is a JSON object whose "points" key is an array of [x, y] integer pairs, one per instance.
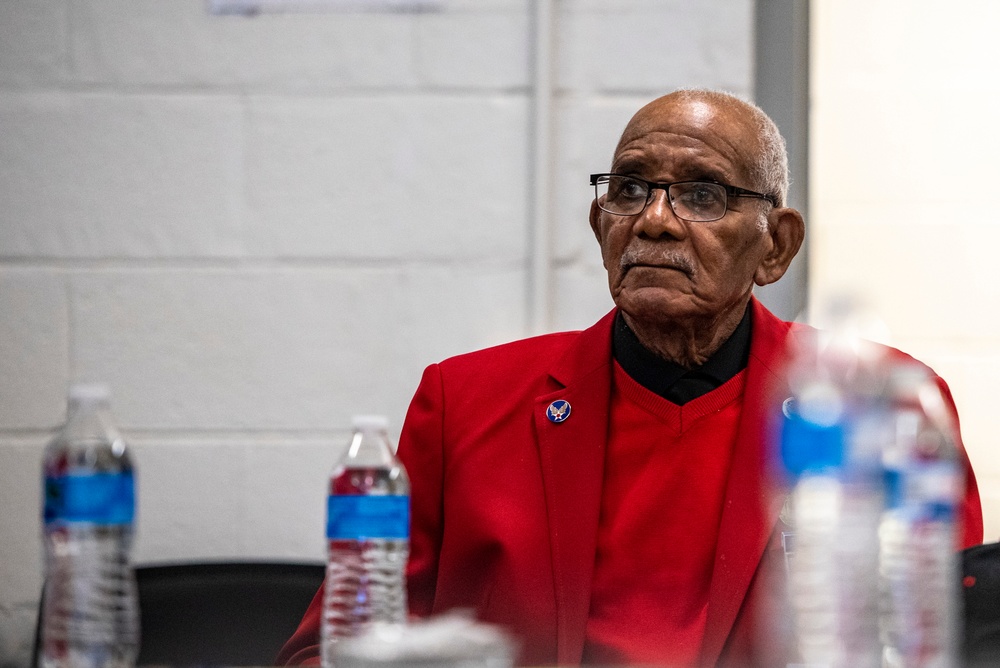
{"points": [[369, 422], [89, 393], [447, 641]]}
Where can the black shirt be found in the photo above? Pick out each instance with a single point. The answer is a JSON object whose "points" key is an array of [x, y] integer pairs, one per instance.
{"points": [[672, 381]]}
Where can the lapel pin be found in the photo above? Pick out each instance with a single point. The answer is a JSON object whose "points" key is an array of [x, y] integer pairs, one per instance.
{"points": [[558, 411]]}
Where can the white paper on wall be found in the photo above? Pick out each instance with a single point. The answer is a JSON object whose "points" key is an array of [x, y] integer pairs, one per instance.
{"points": [[252, 7]]}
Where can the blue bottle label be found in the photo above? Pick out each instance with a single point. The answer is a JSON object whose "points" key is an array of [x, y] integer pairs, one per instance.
{"points": [[97, 498], [924, 490], [352, 517], [810, 447]]}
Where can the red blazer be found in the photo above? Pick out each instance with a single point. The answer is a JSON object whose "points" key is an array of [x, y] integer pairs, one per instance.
{"points": [[505, 503]]}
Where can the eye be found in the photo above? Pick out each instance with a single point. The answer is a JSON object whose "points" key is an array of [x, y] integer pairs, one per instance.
{"points": [[623, 187], [700, 196]]}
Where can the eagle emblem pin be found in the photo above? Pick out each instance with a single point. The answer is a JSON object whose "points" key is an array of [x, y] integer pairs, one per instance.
{"points": [[558, 411]]}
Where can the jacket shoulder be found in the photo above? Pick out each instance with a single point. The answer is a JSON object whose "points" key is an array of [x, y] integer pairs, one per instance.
{"points": [[521, 356]]}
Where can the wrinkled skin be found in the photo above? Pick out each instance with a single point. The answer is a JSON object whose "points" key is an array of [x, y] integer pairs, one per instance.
{"points": [[683, 286]]}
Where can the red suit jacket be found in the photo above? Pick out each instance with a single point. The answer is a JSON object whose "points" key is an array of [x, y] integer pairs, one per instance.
{"points": [[505, 503]]}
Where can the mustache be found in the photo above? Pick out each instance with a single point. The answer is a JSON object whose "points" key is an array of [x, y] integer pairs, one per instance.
{"points": [[655, 256]]}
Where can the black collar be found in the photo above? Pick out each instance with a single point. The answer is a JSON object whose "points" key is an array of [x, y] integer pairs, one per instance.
{"points": [[671, 380]]}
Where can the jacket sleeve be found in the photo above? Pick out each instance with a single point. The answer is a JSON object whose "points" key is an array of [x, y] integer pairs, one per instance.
{"points": [[302, 649], [970, 509], [420, 447]]}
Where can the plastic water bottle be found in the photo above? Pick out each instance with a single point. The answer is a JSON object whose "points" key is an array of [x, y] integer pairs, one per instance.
{"points": [[919, 560], [90, 612], [368, 533], [830, 445]]}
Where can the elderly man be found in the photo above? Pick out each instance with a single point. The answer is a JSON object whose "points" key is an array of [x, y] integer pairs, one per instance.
{"points": [[603, 494]]}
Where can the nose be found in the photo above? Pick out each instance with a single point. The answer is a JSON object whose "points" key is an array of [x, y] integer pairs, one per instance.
{"points": [[659, 220]]}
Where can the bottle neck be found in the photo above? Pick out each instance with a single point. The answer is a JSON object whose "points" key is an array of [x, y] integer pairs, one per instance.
{"points": [[370, 447], [91, 421]]}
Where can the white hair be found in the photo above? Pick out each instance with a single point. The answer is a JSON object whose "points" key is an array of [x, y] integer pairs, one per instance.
{"points": [[769, 167]]}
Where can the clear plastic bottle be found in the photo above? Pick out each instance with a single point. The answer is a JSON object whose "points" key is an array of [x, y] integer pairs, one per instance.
{"points": [[919, 559], [830, 447], [90, 612], [368, 534]]}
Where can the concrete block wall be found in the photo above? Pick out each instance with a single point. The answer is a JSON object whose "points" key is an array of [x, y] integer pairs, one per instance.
{"points": [[253, 228]]}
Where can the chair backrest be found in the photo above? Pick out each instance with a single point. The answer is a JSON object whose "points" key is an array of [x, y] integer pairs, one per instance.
{"points": [[981, 605], [232, 613]]}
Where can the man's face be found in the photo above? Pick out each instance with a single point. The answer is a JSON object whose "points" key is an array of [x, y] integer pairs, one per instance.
{"points": [[661, 268]]}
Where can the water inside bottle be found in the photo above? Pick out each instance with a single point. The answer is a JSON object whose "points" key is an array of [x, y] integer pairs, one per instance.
{"points": [[365, 578]]}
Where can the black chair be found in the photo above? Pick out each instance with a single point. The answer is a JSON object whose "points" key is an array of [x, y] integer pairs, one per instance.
{"points": [[220, 614], [981, 601]]}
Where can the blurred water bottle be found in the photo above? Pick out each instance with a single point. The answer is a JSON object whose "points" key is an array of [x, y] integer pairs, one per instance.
{"points": [[919, 560], [90, 612], [830, 447], [368, 533], [450, 640]]}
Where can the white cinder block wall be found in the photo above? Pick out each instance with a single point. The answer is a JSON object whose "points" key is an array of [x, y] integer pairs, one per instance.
{"points": [[253, 228]]}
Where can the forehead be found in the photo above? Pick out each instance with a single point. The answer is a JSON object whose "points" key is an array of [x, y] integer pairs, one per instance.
{"points": [[686, 138]]}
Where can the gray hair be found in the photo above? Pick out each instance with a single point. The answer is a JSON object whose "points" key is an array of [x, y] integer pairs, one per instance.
{"points": [[769, 168]]}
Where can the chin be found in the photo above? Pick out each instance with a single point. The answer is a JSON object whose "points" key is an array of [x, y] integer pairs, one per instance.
{"points": [[657, 305]]}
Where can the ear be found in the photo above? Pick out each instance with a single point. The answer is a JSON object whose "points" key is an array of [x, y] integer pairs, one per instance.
{"points": [[595, 221], [786, 229], [595, 225]]}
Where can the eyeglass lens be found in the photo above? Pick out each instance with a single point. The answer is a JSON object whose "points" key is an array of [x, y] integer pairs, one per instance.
{"points": [[693, 200]]}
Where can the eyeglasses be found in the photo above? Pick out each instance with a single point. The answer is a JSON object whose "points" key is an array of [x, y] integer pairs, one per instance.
{"points": [[695, 201]]}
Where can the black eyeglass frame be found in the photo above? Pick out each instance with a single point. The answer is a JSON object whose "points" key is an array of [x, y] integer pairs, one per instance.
{"points": [[731, 191]]}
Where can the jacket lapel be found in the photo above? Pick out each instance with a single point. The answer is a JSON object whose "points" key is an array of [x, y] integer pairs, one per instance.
{"points": [[572, 455], [751, 509]]}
